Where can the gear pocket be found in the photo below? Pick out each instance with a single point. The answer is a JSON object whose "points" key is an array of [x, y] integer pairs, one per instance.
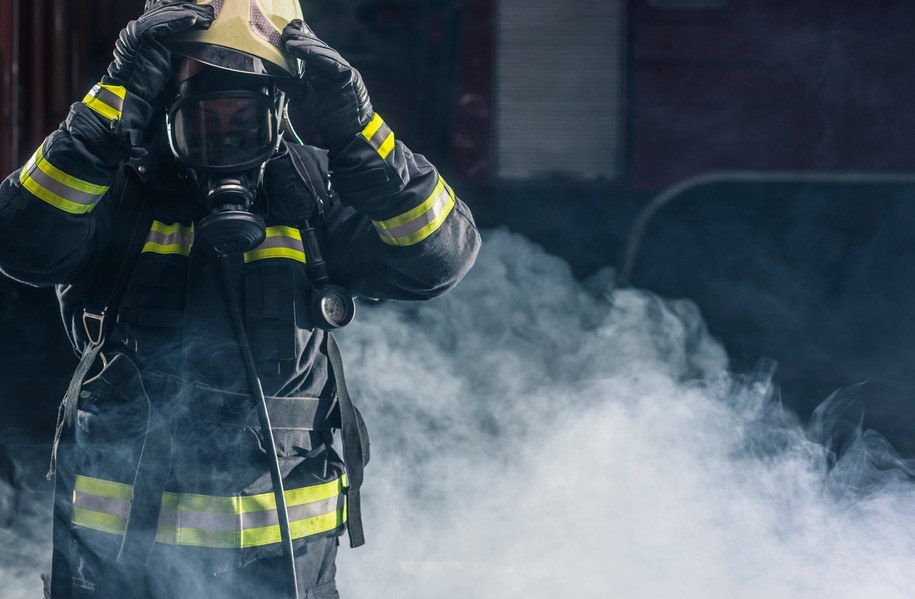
{"points": [[270, 309]]}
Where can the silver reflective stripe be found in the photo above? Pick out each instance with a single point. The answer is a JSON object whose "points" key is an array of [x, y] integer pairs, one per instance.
{"points": [[379, 136], [104, 505], [264, 28], [62, 190], [282, 242], [296, 513], [169, 239], [210, 521], [108, 98], [442, 202], [215, 522], [181, 238]]}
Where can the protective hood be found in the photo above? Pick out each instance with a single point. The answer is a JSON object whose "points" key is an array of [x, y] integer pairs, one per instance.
{"points": [[246, 37]]}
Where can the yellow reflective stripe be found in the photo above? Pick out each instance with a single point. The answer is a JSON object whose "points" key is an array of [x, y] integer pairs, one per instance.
{"points": [[69, 180], [172, 248], [284, 232], [249, 537], [256, 537], [216, 539], [51, 197], [102, 488], [160, 227], [419, 223], [106, 100], [265, 254], [57, 188], [169, 239], [167, 535], [379, 136], [99, 521], [386, 146], [313, 493], [189, 502], [244, 504], [238, 505], [281, 242], [372, 127], [406, 217]]}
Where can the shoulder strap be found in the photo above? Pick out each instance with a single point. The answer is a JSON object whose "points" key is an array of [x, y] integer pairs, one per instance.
{"points": [[309, 171], [120, 256], [117, 262]]}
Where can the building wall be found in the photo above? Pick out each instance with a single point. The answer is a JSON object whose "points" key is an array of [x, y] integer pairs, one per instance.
{"points": [[770, 85], [51, 53]]}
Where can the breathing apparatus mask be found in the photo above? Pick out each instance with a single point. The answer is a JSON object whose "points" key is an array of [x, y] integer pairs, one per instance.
{"points": [[223, 127]]}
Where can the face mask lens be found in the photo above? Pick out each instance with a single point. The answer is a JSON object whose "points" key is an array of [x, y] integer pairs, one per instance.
{"points": [[224, 131]]}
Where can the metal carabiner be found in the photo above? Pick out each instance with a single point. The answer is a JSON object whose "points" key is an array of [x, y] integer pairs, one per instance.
{"points": [[100, 334], [95, 340], [99, 374]]}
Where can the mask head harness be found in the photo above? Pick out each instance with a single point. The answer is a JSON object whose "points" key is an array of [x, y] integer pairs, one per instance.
{"points": [[224, 127]]}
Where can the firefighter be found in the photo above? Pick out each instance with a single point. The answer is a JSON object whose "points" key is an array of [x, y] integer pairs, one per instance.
{"points": [[202, 257]]}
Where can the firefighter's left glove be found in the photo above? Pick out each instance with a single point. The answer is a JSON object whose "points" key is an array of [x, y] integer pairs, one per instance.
{"points": [[332, 91], [142, 64]]}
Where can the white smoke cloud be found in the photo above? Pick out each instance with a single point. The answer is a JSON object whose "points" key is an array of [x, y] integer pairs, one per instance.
{"points": [[25, 533], [535, 437]]}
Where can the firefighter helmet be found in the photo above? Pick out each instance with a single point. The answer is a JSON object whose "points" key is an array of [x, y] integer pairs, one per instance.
{"points": [[246, 37]]}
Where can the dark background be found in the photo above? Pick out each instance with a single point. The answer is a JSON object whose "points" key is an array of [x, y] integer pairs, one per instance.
{"points": [[781, 131]]}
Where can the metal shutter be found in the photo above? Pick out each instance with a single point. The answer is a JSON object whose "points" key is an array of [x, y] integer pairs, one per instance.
{"points": [[559, 88]]}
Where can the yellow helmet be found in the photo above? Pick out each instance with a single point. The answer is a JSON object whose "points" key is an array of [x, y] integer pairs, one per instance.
{"points": [[246, 37]]}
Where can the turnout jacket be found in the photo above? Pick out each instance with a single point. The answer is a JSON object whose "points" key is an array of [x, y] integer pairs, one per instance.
{"points": [[393, 229]]}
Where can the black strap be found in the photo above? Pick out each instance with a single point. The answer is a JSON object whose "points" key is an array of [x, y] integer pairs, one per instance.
{"points": [[356, 453], [111, 279], [153, 468], [309, 171], [355, 444], [63, 468], [123, 250], [124, 246]]}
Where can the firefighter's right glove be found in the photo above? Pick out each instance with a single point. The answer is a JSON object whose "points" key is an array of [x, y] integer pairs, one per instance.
{"points": [[142, 64]]}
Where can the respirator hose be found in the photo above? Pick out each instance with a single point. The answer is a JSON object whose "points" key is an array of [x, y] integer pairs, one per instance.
{"points": [[273, 460]]}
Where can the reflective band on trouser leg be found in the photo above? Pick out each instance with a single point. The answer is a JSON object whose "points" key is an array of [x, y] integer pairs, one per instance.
{"points": [[169, 239], [379, 136], [57, 188], [412, 227], [281, 242], [106, 100], [209, 521]]}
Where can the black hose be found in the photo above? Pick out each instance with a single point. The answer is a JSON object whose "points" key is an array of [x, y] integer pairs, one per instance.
{"points": [[275, 474]]}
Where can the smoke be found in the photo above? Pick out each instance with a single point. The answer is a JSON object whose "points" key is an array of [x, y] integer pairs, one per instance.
{"points": [[25, 525], [533, 436]]}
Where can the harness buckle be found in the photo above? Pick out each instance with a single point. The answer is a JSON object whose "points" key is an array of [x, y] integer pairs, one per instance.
{"points": [[99, 320]]}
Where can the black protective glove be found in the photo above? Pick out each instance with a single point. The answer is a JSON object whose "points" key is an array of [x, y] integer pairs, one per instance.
{"points": [[142, 64], [332, 91]]}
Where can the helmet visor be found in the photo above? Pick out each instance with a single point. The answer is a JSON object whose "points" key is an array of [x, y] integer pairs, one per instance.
{"points": [[234, 129]]}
